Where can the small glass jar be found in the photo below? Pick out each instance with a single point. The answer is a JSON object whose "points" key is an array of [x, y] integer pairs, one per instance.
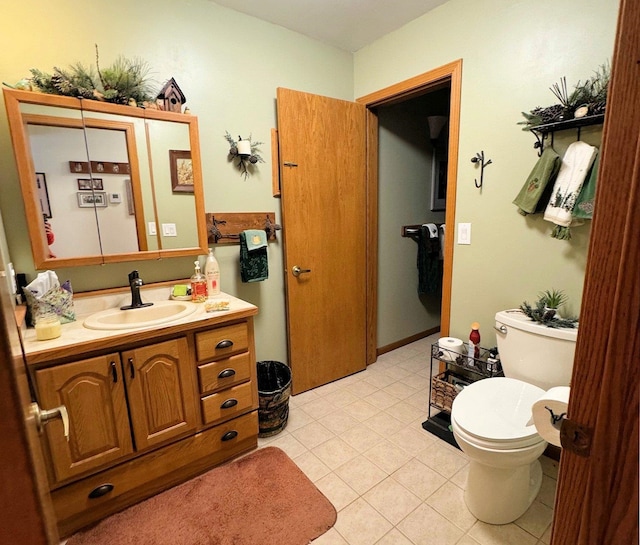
{"points": [[48, 327]]}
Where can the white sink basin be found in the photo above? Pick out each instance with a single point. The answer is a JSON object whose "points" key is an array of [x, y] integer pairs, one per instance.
{"points": [[161, 312]]}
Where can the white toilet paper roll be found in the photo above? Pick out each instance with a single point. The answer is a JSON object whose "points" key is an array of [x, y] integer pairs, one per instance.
{"points": [[451, 347], [556, 401]]}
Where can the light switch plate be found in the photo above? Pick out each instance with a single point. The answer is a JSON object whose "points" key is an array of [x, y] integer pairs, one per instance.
{"points": [[152, 228], [169, 230], [464, 233]]}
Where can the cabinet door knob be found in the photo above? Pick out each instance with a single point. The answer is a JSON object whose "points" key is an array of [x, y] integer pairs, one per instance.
{"points": [[229, 403], [230, 435], [226, 373], [227, 343]]}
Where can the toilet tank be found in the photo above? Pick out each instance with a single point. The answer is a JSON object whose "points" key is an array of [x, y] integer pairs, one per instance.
{"points": [[533, 352]]}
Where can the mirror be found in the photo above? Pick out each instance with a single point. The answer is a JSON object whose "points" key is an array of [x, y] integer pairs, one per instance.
{"points": [[100, 176]]}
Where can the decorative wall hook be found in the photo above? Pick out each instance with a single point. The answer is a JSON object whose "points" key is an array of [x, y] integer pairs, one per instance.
{"points": [[479, 158], [245, 151]]}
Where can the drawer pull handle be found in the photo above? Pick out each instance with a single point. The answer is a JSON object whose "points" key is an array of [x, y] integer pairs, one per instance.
{"points": [[230, 435], [101, 491], [226, 373], [114, 372], [229, 403], [132, 369], [227, 343]]}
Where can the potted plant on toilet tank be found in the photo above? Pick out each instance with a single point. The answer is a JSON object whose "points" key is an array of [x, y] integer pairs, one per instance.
{"points": [[546, 308]]}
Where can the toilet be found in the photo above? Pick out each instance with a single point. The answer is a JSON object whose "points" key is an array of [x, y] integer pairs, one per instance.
{"points": [[491, 418]]}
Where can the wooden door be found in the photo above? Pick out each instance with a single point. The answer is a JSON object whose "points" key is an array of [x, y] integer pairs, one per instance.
{"points": [[323, 184], [92, 390], [597, 497], [161, 391]]}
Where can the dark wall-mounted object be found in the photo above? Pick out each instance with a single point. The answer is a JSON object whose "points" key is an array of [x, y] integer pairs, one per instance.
{"points": [[171, 98], [225, 227], [541, 131], [479, 158]]}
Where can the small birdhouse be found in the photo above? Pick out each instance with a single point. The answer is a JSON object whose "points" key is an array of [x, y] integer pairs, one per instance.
{"points": [[171, 98]]}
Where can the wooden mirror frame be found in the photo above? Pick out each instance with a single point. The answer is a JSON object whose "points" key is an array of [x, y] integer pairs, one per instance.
{"points": [[26, 172]]}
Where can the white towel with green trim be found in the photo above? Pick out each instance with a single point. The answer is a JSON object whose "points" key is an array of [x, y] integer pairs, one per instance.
{"points": [[575, 166]]}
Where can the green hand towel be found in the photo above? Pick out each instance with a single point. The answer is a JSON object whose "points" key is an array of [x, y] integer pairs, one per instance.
{"points": [[531, 198], [254, 265], [586, 200]]}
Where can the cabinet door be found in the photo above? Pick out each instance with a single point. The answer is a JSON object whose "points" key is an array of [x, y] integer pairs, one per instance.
{"points": [[160, 384], [92, 390]]}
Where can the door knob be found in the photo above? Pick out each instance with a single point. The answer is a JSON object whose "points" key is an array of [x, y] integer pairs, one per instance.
{"points": [[41, 417], [297, 271]]}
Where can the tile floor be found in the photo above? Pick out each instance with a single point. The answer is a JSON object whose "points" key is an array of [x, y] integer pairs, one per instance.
{"points": [[360, 440]]}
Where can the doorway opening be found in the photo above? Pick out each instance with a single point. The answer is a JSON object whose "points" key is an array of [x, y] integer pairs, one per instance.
{"points": [[412, 93]]}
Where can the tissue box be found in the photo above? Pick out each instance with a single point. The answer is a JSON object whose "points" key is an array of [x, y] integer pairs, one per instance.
{"points": [[57, 300]]}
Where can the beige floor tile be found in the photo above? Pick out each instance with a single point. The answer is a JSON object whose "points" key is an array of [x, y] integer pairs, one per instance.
{"points": [[414, 364], [384, 424], [412, 439], [332, 537], [549, 467], [335, 452], [424, 526], [338, 421], [360, 474], [420, 400], [387, 456], [361, 410], [381, 399], [361, 524], [299, 400], [448, 500], [312, 466], [546, 537], [380, 379], [289, 444], [339, 493], [392, 500], [506, 534], [361, 437], [547, 494], [407, 413], [312, 435], [317, 408], [537, 519], [419, 478], [466, 540], [341, 398], [443, 459], [361, 388], [297, 418], [460, 478], [401, 389], [394, 537]]}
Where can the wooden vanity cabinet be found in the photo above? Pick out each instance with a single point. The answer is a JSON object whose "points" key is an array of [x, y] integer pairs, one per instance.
{"points": [[146, 416]]}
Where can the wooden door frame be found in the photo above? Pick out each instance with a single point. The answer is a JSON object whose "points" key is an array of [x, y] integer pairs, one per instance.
{"points": [[410, 88]]}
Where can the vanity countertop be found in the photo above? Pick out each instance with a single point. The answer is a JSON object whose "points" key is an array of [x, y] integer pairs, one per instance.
{"points": [[75, 333]]}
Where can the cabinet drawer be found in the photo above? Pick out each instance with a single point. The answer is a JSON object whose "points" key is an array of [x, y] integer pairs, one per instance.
{"points": [[222, 342], [227, 404], [150, 474], [224, 373]]}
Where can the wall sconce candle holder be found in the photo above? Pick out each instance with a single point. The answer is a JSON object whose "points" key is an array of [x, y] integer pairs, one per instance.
{"points": [[245, 151]]}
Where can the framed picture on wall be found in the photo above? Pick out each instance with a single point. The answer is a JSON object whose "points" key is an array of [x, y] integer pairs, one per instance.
{"points": [[85, 184], [439, 185], [92, 200], [43, 194], [181, 171]]}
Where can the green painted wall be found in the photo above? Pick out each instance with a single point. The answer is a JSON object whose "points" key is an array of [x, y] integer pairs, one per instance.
{"points": [[512, 52]]}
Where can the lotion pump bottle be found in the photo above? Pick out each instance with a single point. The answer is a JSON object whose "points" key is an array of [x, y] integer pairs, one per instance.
{"points": [[198, 285], [212, 274]]}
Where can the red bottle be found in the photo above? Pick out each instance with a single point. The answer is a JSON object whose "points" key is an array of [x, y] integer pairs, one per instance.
{"points": [[474, 337]]}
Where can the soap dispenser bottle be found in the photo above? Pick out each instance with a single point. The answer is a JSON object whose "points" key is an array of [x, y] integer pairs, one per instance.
{"points": [[212, 274], [198, 285]]}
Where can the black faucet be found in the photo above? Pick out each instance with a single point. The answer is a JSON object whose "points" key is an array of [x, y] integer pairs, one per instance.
{"points": [[135, 282]]}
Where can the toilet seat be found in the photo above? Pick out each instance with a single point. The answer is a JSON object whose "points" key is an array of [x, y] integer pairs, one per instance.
{"points": [[494, 413]]}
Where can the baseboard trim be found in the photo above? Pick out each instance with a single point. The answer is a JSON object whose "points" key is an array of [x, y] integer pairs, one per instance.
{"points": [[406, 341]]}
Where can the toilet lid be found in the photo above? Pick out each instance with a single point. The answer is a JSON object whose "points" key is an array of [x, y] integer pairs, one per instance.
{"points": [[498, 410]]}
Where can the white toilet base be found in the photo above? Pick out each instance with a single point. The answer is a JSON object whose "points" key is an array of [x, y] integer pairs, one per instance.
{"points": [[501, 495]]}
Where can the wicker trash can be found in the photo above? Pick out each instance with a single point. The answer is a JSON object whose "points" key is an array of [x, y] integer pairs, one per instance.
{"points": [[274, 390]]}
